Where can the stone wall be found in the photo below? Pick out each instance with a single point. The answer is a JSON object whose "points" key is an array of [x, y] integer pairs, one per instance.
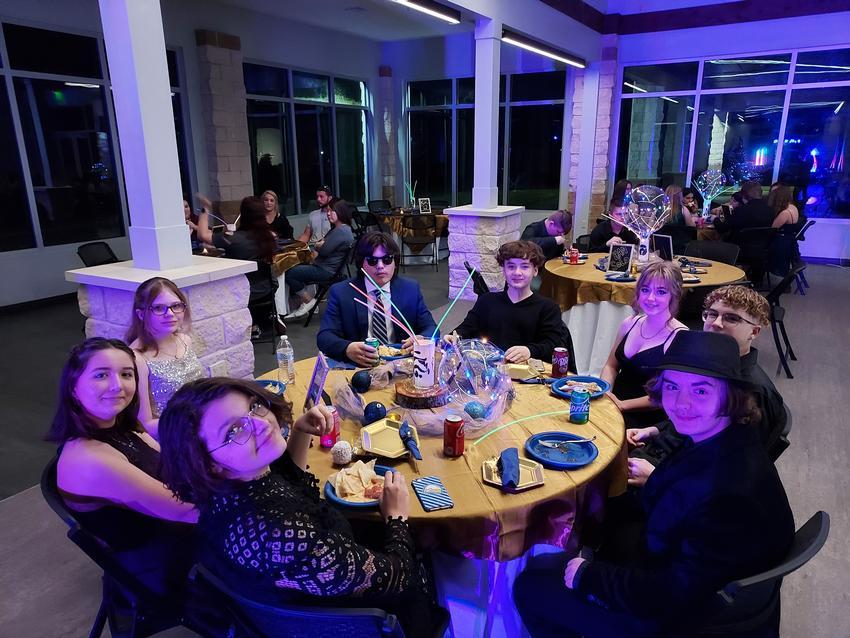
{"points": [[221, 322]]}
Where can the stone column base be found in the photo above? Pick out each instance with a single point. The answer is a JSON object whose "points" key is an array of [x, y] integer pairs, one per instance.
{"points": [[475, 235]]}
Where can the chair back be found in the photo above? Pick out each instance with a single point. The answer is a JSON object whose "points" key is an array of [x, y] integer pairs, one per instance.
{"points": [[479, 284], [379, 206], [96, 253], [801, 235], [341, 271], [784, 285], [583, 243], [255, 619], [755, 243], [714, 250], [418, 230], [681, 236]]}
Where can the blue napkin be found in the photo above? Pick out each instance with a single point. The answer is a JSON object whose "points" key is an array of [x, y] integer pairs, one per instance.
{"points": [[409, 442], [333, 364], [509, 467]]}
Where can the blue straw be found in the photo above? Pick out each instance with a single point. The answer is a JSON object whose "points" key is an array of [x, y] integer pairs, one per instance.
{"points": [[452, 304]]}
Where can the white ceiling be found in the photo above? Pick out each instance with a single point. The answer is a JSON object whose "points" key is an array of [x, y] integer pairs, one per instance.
{"points": [[647, 6]]}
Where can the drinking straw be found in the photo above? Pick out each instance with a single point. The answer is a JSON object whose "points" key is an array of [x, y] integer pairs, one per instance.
{"points": [[452, 304], [400, 313], [525, 418], [384, 312]]}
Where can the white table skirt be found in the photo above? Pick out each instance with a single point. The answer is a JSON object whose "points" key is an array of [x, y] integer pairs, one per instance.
{"points": [[593, 327], [281, 296]]}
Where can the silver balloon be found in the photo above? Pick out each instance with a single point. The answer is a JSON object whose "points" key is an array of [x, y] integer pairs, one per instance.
{"points": [[648, 210]]}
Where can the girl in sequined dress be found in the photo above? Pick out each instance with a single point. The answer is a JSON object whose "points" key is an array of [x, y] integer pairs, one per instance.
{"points": [[159, 334]]}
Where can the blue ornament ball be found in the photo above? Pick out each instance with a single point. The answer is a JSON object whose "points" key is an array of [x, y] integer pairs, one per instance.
{"points": [[361, 381], [374, 411], [489, 376], [474, 409]]}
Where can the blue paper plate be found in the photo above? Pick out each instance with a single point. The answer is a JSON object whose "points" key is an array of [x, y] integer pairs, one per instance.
{"points": [[561, 389], [573, 456], [275, 387], [619, 279], [330, 492], [398, 356]]}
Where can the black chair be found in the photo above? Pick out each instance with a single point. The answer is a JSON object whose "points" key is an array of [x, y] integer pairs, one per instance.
{"points": [[479, 285], [417, 231], [681, 236], [777, 320], [254, 619], [755, 252], [583, 243], [96, 253], [132, 609], [752, 604], [380, 206], [802, 284], [341, 274], [714, 250], [369, 222], [267, 306]]}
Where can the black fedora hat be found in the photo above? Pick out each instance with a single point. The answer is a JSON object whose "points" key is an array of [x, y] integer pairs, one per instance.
{"points": [[707, 353]]}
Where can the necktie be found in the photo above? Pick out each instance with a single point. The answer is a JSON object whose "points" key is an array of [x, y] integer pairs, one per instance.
{"points": [[379, 320]]}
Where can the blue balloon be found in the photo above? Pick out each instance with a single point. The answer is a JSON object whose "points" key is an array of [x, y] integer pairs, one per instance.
{"points": [[361, 381], [474, 409], [374, 412]]}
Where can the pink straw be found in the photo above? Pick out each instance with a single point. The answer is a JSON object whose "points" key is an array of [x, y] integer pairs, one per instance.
{"points": [[393, 319]]}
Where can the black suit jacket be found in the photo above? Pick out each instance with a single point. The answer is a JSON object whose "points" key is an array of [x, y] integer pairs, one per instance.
{"points": [[754, 214], [536, 232]]}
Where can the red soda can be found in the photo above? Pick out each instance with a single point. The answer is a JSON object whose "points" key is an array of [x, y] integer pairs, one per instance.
{"points": [[573, 255], [328, 440], [453, 436], [560, 363]]}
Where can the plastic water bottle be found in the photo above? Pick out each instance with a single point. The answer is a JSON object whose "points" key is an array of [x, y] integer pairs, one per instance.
{"points": [[285, 361]]}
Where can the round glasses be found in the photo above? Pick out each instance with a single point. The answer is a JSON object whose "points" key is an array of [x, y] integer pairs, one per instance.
{"points": [[160, 309], [240, 431], [729, 318]]}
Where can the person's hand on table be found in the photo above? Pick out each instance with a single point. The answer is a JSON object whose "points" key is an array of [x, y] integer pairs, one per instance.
{"points": [[394, 500], [517, 354], [616, 240], [361, 354], [639, 471], [317, 420], [636, 437], [616, 401], [571, 570], [407, 344], [451, 339]]}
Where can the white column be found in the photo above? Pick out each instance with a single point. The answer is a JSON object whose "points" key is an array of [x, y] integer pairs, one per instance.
{"points": [[485, 191], [135, 47], [587, 142]]}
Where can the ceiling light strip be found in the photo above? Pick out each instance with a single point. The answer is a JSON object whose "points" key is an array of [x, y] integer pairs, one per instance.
{"points": [[433, 9], [530, 45]]}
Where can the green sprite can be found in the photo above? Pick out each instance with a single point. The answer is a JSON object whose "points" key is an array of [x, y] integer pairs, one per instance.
{"points": [[374, 343], [579, 406]]}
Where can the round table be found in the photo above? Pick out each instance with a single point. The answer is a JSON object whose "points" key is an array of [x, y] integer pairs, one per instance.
{"points": [[594, 308], [487, 525], [292, 254]]}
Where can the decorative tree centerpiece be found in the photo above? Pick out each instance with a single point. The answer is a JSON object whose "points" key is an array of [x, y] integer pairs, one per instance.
{"points": [[709, 184]]}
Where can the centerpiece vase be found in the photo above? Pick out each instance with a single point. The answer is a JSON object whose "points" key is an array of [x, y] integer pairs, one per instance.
{"points": [[643, 247], [424, 354]]}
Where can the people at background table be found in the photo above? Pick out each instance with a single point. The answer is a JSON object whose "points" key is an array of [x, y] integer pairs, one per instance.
{"points": [[641, 341], [550, 233], [329, 255], [753, 213], [740, 313], [317, 224], [608, 232], [523, 323], [190, 217], [263, 527], [723, 211], [711, 513], [278, 223], [159, 333], [108, 470], [680, 215], [690, 202], [346, 324], [622, 190], [781, 201], [253, 240]]}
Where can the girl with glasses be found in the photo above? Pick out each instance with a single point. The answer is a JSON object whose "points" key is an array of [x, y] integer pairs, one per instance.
{"points": [[263, 527], [159, 334]]}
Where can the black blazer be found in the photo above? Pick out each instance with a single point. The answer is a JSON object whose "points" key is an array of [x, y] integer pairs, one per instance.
{"points": [[536, 232], [754, 214]]}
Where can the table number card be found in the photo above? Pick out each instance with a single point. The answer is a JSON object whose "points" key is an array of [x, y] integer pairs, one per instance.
{"points": [[620, 258], [425, 205]]}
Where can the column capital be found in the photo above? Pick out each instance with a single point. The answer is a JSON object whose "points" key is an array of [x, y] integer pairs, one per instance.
{"points": [[487, 28]]}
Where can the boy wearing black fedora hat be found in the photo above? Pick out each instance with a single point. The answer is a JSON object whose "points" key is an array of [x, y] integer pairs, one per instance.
{"points": [[712, 512]]}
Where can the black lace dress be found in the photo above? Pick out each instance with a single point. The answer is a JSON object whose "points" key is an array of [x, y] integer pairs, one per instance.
{"points": [[274, 540]]}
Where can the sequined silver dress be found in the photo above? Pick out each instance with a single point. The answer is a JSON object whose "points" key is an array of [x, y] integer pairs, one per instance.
{"points": [[166, 376]]}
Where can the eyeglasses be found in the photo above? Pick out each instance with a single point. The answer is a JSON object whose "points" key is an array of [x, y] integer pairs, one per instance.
{"points": [[386, 259], [176, 308], [729, 318], [242, 430]]}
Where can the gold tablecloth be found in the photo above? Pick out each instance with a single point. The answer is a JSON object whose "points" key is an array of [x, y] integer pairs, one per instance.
{"points": [[707, 233], [394, 223], [289, 256], [571, 285], [486, 522]]}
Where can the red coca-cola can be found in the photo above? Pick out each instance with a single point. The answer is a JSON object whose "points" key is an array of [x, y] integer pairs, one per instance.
{"points": [[560, 363], [573, 255], [453, 437], [328, 440]]}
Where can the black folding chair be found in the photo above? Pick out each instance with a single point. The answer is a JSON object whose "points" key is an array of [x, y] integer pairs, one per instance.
{"points": [[714, 250], [752, 604], [132, 609], [680, 235], [380, 206], [417, 231], [341, 274], [755, 252], [267, 305], [583, 243], [96, 253], [802, 283], [777, 320], [479, 285]]}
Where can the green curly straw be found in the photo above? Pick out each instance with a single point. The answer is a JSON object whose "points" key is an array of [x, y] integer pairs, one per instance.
{"points": [[525, 418]]}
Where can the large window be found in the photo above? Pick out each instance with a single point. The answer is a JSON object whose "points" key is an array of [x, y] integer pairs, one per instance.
{"points": [[14, 211], [307, 130], [442, 139], [766, 118], [184, 145]]}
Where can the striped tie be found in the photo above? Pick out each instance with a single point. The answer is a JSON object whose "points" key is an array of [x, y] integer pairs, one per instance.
{"points": [[379, 321]]}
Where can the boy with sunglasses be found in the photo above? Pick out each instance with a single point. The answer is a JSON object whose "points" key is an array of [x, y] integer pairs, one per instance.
{"points": [[346, 324], [741, 313]]}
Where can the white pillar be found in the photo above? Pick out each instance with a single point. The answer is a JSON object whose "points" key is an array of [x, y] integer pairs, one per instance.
{"points": [[485, 191], [587, 142], [135, 47]]}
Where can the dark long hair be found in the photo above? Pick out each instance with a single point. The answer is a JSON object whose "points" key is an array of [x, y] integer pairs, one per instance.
{"points": [[145, 294], [71, 420], [187, 466], [252, 219]]}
